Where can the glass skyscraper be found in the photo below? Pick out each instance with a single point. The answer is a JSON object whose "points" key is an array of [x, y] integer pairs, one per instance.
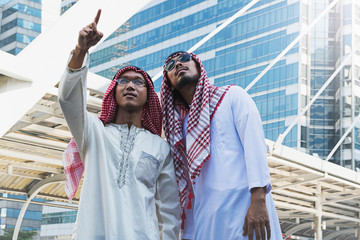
{"points": [[10, 209], [238, 53], [66, 4], [20, 23], [57, 223]]}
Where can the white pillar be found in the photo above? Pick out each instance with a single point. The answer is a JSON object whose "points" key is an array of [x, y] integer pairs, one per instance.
{"points": [[318, 215]]}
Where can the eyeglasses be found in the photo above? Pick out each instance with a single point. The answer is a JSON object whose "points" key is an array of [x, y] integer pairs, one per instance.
{"points": [[182, 58], [137, 81]]}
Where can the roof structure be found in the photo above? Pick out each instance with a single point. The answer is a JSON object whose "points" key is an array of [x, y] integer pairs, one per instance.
{"points": [[311, 195]]}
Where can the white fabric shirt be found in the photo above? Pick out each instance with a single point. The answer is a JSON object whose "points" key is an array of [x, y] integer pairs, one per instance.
{"points": [[238, 163], [129, 188]]}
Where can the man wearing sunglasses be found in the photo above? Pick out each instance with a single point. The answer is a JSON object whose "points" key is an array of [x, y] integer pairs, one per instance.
{"points": [[218, 145], [129, 188]]}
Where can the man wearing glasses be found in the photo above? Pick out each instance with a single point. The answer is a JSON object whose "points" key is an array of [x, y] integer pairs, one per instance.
{"points": [[129, 187], [218, 145]]}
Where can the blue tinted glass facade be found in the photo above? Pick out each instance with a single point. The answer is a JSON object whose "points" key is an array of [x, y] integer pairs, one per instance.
{"points": [[321, 134], [21, 23], [16, 37], [8, 40], [193, 22], [357, 139], [15, 51], [22, 8], [67, 6], [32, 217], [3, 2], [29, 25], [20, 28], [9, 25], [24, 198], [59, 217], [24, 38], [241, 50]]}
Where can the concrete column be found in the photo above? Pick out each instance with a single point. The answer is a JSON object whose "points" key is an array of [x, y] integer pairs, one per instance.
{"points": [[318, 216]]}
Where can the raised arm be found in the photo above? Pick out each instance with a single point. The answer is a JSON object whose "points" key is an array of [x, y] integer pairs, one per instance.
{"points": [[72, 88]]}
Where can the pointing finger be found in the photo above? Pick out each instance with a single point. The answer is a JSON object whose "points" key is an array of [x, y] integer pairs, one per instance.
{"points": [[96, 19]]}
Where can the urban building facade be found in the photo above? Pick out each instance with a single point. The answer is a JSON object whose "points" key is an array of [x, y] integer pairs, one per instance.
{"points": [[20, 22], [237, 54], [347, 90], [66, 4], [57, 223], [10, 209]]}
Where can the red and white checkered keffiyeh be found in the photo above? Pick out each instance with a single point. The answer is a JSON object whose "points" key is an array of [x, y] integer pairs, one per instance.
{"points": [[150, 120], [206, 100]]}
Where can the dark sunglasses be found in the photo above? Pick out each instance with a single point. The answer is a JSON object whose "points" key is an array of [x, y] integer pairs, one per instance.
{"points": [[137, 82], [182, 58]]}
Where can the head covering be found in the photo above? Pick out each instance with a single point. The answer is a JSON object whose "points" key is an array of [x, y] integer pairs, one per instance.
{"points": [[150, 120], [206, 99]]}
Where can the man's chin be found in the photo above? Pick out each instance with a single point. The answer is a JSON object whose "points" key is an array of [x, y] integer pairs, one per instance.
{"points": [[132, 108], [186, 80]]}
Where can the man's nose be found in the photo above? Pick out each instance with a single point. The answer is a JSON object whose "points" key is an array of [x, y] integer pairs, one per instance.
{"points": [[130, 84], [178, 63]]}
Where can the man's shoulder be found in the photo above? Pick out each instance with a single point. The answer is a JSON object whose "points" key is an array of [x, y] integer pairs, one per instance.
{"points": [[155, 137], [236, 93], [94, 119], [237, 99], [157, 140]]}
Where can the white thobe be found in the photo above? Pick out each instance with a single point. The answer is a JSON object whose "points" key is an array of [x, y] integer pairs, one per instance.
{"points": [[129, 188], [237, 164]]}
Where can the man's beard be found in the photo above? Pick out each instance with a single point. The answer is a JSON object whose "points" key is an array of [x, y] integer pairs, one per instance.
{"points": [[186, 80]]}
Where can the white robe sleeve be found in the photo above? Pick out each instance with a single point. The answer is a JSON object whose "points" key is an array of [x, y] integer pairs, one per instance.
{"points": [[72, 98], [250, 130], [167, 201]]}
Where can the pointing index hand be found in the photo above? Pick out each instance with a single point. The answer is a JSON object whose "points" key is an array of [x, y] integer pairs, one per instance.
{"points": [[96, 19]]}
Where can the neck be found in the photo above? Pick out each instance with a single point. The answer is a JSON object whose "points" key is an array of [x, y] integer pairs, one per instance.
{"points": [[129, 118], [187, 93]]}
